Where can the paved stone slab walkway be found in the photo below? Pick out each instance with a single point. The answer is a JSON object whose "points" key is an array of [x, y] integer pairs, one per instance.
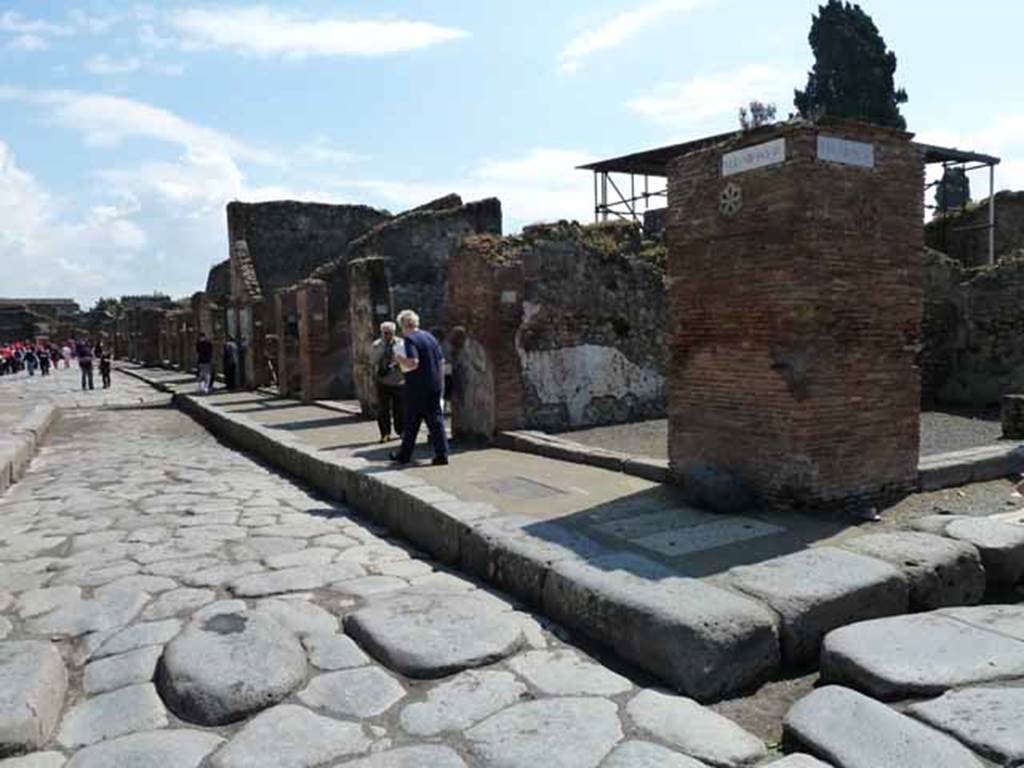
{"points": [[129, 559]]}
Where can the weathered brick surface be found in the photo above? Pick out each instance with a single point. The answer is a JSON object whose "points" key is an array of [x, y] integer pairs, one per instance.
{"points": [[795, 322], [369, 306], [289, 372], [565, 326]]}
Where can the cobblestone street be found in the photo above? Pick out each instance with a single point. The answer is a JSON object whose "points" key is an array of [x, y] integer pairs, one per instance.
{"points": [[166, 601]]}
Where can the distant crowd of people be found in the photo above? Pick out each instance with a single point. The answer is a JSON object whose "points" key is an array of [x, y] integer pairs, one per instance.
{"points": [[30, 357]]}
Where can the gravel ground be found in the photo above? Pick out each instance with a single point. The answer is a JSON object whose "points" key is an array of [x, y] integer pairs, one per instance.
{"points": [[940, 432]]}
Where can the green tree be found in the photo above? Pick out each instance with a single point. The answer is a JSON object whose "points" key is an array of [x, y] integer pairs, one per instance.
{"points": [[756, 114], [954, 191], [109, 305], [853, 70]]}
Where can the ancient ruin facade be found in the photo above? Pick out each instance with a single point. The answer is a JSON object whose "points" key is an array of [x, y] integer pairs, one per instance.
{"points": [[795, 313], [963, 235], [417, 246], [564, 328]]}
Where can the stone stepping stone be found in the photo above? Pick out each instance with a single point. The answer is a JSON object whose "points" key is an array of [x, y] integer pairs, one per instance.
{"points": [[1001, 545], [564, 672], [644, 754], [989, 720], [554, 733], [226, 666], [850, 730], [940, 571], [694, 730], [108, 674], [332, 652], [926, 654], [422, 756], [817, 590], [298, 615], [118, 713], [167, 749], [33, 683], [461, 702], [288, 736], [434, 635], [363, 692], [36, 760]]}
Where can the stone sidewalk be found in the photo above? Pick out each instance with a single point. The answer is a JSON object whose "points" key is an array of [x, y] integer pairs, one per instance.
{"points": [[714, 605], [165, 601]]}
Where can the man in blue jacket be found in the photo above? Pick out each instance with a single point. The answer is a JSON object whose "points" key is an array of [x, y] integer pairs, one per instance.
{"points": [[422, 362]]}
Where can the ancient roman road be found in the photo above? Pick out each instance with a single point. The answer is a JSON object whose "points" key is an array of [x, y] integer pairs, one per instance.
{"points": [[167, 601]]}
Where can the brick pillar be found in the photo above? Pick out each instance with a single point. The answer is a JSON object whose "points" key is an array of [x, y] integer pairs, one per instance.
{"points": [[314, 340], [485, 297], [795, 304], [369, 306], [289, 373]]}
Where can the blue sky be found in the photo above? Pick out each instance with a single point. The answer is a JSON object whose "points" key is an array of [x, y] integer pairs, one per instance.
{"points": [[126, 127]]}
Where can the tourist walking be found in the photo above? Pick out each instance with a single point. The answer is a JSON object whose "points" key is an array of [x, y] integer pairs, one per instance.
{"points": [[422, 362], [84, 354], [104, 358], [204, 364], [44, 360], [230, 363], [65, 353], [390, 382], [30, 360]]}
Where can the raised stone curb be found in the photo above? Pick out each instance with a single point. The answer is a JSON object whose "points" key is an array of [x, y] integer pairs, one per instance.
{"points": [[33, 683], [973, 465], [541, 444], [19, 445]]}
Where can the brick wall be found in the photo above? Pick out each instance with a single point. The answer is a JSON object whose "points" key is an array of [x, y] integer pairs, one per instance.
{"points": [[369, 306], [289, 372], [570, 320], [795, 323]]}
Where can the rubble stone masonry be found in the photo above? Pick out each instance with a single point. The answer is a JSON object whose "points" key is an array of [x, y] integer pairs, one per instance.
{"points": [[795, 317]]}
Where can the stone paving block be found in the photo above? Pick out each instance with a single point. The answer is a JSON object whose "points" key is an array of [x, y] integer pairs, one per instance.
{"points": [[139, 636], [564, 672], [853, 731], [331, 652], [798, 761], [362, 692], [367, 586], [420, 756], [229, 665], [300, 616], [428, 635], [178, 601], [33, 683], [166, 749], [988, 720], [817, 590], [1001, 545], [694, 730], [555, 733], [705, 641], [458, 703], [922, 654], [109, 715], [288, 736], [940, 571], [106, 611], [644, 754], [36, 760], [108, 674]]}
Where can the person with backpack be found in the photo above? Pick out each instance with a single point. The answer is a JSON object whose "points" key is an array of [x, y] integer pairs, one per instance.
{"points": [[390, 382]]}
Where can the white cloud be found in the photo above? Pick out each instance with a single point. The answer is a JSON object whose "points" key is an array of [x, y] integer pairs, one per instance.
{"points": [[101, 64], [619, 29], [709, 97], [105, 120], [262, 31], [11, 21], [27, 42]]}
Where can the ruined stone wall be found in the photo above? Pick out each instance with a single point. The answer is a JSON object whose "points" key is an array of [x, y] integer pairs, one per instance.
{"points": [[795, 302], [369, 306], [149, 332], [289, 372], [287, 240], [973, 349], [958, 234], [582, 323]]}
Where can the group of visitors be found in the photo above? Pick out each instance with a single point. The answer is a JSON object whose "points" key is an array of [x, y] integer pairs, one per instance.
{"points": [[231, 362], [411, 375], [41, 356]]}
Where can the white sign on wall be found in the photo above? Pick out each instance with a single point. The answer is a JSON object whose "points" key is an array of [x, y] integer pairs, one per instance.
{"points": [[757, 156], [836, 150]]}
